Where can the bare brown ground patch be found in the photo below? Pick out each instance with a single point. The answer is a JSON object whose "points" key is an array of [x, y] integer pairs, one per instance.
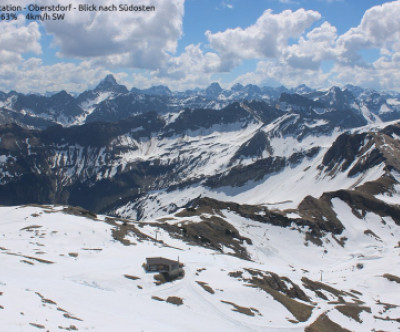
{"points": [[391, 277], [45, 300], [324, 324], [39, 326], [30, 228], [388, 319], [157, 298], [174, 300], [69, 328], [69, 316], [131, 277], [165, 219], [353, 311], [171, 299], [277, 287], [236, 274], [40, 260], [243, 310], [206, 287], [122, 228], [317, 286]]}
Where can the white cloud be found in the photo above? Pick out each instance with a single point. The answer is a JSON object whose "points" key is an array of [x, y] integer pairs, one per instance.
{"points": [[16, 39], [8, 58], [19, 38], [192, 68], [265, 39], [309, 52], [227, 4], [379, 28], [278, 71], [302, 60], [192, 60], [382, 74], [33, 76], [131, 39]]}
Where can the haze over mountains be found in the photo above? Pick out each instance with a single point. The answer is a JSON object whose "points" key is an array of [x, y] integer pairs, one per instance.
{"points": [[264, 178]]}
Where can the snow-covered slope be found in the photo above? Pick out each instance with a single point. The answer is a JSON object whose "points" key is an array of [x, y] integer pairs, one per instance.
{"points": [[67, 269], [278, 173]]}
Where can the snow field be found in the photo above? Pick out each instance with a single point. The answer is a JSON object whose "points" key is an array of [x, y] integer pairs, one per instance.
{"points": [[60, 270]]}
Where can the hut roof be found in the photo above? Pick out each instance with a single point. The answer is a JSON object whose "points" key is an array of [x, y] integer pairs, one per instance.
{"points": [[160, 260]]}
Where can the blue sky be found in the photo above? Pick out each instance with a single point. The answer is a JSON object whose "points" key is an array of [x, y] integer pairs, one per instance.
{"points": [[191, 43]]}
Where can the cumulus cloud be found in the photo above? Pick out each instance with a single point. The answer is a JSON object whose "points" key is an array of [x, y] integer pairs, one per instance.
{"points": [[33, 76], [279, 72], [192, 68], [379, 28], [131, 39], [193, 60], [9, 58], [16, 39], [382, 74], [19, 38], [310, 51], [265, 39], [301, 60]]}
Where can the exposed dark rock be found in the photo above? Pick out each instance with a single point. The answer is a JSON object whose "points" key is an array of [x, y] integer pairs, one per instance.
{"points": [[254, 147], [343, 152], [191, 120], [320, 213], [279, 284], [277, 288], [212, 232], [239, 175], [323, 323], [358, 200], [298, 100]]}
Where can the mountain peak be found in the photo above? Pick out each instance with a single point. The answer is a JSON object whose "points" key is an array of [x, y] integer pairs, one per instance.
{"points": [[110, 79], [109, 83], [213, 90], [302, 88], [237, 87], [159, 90], [355, 90], [335, 89], [62, 95]]}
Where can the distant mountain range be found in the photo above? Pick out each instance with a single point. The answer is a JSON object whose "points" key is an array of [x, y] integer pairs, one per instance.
{"points": [[110, 101]]}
